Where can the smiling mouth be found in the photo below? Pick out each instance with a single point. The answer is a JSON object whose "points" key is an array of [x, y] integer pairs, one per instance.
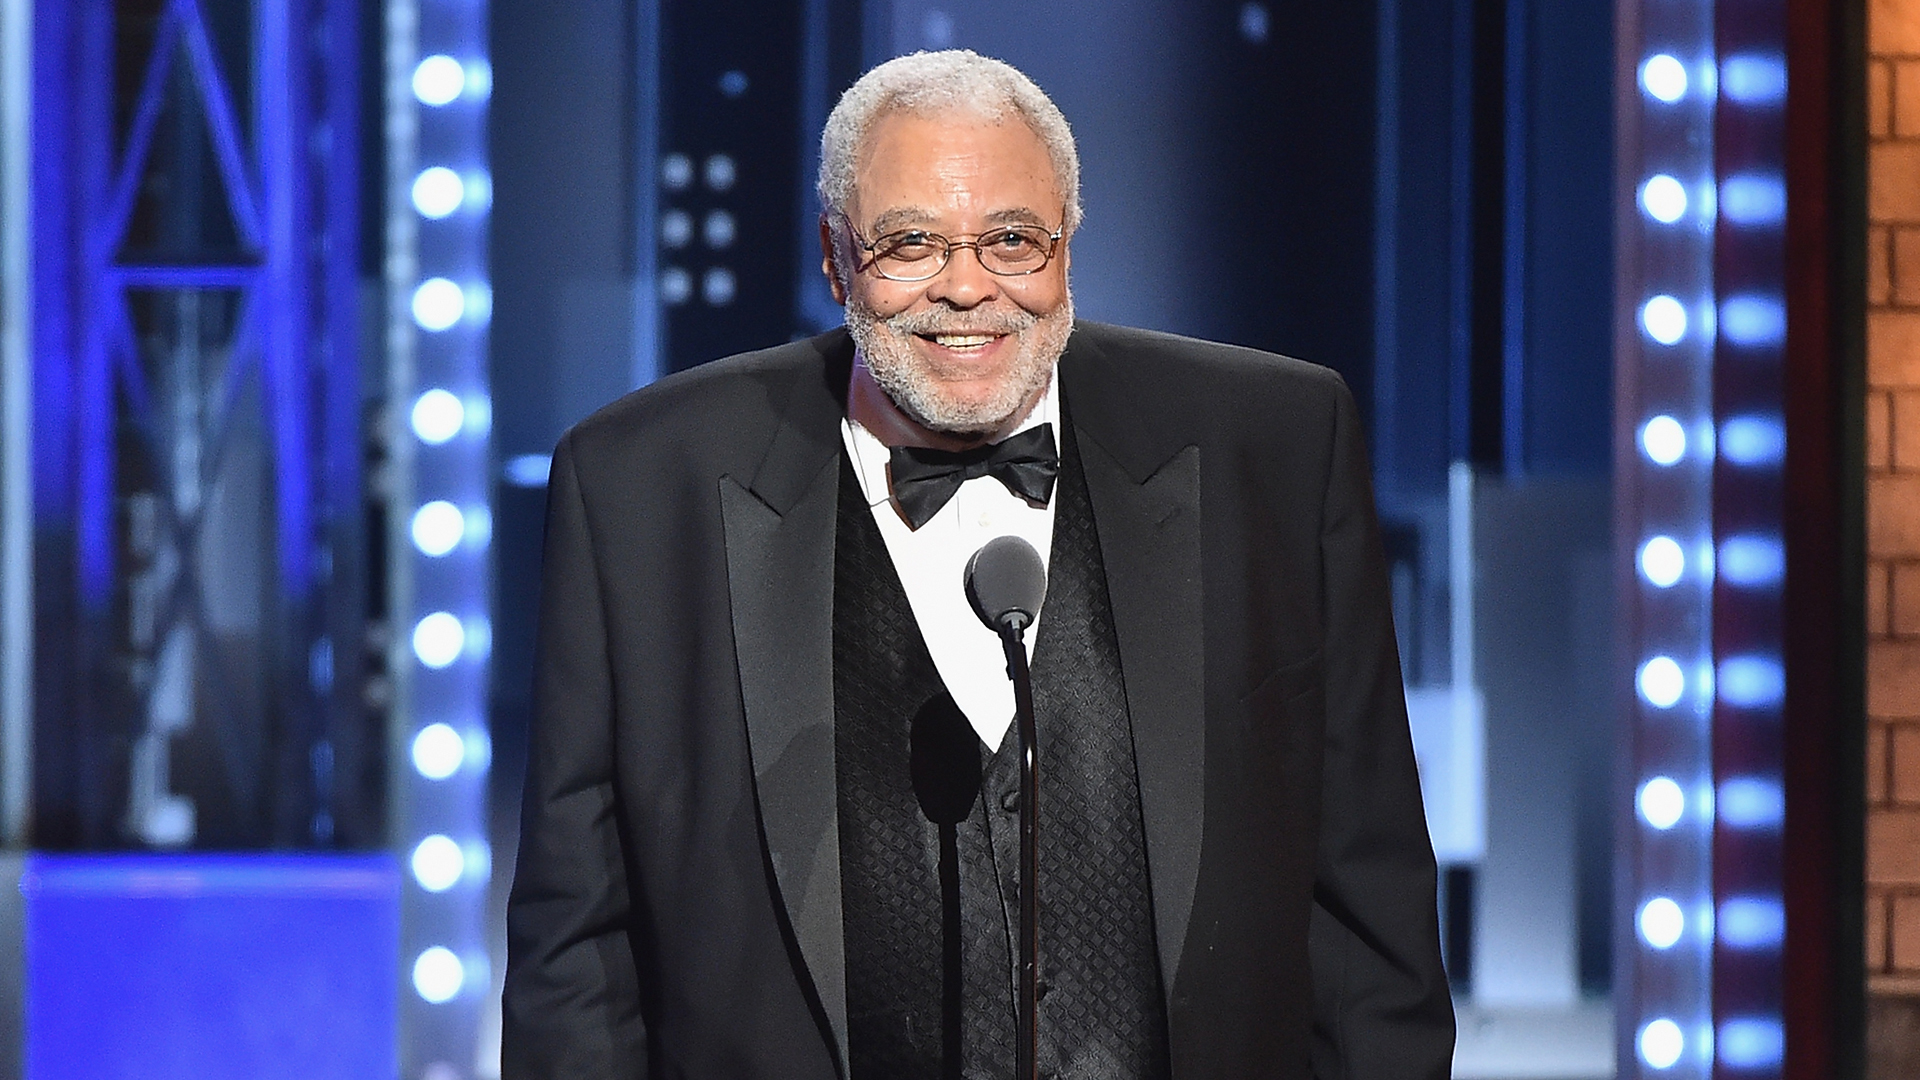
{"points": [[961, 341]]}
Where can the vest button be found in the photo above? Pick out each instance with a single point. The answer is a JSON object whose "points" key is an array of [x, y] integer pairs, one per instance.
{"points": [[1010, 802]]}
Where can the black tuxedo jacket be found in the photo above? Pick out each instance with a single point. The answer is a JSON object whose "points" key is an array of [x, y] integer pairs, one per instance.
{"points": [[676, 906]]}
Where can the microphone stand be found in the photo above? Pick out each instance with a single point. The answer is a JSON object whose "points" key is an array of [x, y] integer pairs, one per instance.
{"points": [[1027, 1049]]}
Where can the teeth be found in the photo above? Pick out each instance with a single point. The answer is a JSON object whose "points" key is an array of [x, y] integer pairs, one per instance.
{"points": [[961, 341]]}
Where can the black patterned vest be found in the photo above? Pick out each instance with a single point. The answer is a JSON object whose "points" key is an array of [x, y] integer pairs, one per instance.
{"points": [[929, 833]]}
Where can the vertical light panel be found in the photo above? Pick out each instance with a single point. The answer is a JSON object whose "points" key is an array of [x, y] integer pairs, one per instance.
{"points": [[1700, 509], [439, 192], [1664, 472], [16, 390]]}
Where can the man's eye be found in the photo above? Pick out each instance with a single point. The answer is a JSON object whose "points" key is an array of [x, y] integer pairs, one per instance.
{"points": [[1011, 242], [910, 245]]}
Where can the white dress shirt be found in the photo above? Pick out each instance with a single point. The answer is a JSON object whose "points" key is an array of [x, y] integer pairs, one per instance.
{"points": [[932, 564]]}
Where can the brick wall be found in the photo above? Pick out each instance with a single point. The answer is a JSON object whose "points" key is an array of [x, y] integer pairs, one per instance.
{"points": [[1893, 510]]}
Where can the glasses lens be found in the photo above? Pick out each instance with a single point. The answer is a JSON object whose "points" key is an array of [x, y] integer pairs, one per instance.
{"points": [[1015, 250], [909, 256]]}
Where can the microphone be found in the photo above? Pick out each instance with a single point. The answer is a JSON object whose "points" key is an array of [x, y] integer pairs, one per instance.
{"points": [[1006, 582]]}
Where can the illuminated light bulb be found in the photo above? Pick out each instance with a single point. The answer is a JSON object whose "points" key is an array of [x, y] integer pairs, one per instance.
{"points": [[438, 304], [438, 528], [1751, 682], [1661, 923], [1751, 1042], [438, 751], [1664, 199], [438, 192], [1664, 78], [1752, 561], [439, 639], [437, 863], [1754, 79], [1664, 319], [1753, 199], [1753, 320], [1663, 440], [438, 80], [1662, 562], [1751, 802], [1752, 922], [437, 416], [1753, 440], [1661, 803], [1661, 682], [1661, 1044], [438, 975]]}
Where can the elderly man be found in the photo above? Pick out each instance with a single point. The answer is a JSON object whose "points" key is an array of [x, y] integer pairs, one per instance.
{"points": [[770, 817]]}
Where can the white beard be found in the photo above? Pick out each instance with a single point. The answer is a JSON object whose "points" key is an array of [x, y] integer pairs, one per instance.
{"points": [[887, 346]]}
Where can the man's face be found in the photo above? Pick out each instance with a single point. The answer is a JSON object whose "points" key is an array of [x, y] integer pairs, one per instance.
{"points": [[966, 350]]}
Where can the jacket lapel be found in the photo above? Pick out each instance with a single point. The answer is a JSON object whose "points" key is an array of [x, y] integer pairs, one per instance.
{"points": [[779, 537], [1145, 489]]}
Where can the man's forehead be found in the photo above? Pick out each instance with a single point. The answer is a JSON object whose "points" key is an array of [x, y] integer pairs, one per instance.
{"points": [[893, 218]]}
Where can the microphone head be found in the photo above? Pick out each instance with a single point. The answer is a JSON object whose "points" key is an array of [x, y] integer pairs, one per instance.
{"points": [[1006, 581]]}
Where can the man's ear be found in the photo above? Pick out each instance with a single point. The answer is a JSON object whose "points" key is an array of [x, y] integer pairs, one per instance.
{"points": [[827, 266]]}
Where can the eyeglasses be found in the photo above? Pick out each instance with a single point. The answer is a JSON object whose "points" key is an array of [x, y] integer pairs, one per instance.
{"points": [[916, 254]]}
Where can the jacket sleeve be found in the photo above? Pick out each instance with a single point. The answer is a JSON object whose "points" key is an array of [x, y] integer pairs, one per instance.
{"points": [[571, 1006], [1381, 1004]]}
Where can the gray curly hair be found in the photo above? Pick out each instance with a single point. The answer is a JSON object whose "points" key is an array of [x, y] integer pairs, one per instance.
{"points": [[930, 83]]}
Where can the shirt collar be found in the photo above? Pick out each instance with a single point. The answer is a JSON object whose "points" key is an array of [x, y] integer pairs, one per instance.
{"points": [[870, 456]]}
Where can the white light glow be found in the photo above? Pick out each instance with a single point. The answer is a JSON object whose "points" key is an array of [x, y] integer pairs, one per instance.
{"points": [[1664, 78], [438, 751], [438, 974], [1751, 802], [1753, 440], [676, 285], [717, 287], [1754, 79], [437, 863], [1753, 320], [437, 416], [718, 229], [676, 228], [1664, 319], [1663, 440], [1751, 1042], [1661, 922], [438, 528], [1753, 199], [438, 80], [1751, 682], [1661, 803], [439, 639], [527, 470], [676, 172], [1661, 1044], [1752, 922], [1664, 199], [1662, 562], [720, 172], [1752, 561], [1661, 682], [438, 304], [438, 192]]}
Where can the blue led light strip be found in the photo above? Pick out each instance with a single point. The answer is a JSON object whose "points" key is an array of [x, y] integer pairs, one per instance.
{"points": [[439, 190], [1664, 485], [1700, 350]]}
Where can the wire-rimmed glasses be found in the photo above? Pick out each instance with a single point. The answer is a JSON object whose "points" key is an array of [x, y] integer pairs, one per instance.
{"points": [[917, 254]]}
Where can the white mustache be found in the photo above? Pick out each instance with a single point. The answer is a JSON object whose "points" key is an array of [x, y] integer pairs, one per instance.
{"points": [[936, 321]]}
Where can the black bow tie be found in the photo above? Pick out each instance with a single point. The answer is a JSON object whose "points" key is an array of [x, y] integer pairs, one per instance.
{"points": [[923, 480]]}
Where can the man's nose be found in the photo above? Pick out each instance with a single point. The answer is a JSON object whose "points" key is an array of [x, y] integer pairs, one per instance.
{"points": [[963, 282]]}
